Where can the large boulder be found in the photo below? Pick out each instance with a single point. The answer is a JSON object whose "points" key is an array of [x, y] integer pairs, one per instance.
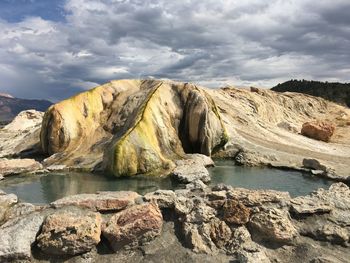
{"points": [[17, 237], [318, 130], [134, 226], [70, 232], [102, 201], [134, 126], [18, 166]]}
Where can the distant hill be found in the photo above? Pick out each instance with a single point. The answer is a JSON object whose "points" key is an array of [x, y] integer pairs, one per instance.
{"points": [[333, 91], [10, 106]]}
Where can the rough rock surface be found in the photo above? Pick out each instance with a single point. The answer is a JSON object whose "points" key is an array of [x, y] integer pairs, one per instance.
{"points": [[319, 130], [193, 229], [132, 226], [134, 126], [189, 170], [273, 225], [22, 136], [252, 120], [6, 201], [17, 237], [18, 166], [102, 201], [163, 198], [235, 212], [70, 232]]}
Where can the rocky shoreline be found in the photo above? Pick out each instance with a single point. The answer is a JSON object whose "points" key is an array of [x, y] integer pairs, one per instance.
{"points": [[198, 223]]}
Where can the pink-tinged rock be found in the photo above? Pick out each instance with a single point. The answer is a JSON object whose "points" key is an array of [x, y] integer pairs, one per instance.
{"points": [[102, 201], [134, 226], [318, 130], [18, 166]]}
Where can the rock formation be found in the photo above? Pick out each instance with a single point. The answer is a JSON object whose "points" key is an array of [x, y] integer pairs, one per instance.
{"points": [[129, 127], [134, 126]]}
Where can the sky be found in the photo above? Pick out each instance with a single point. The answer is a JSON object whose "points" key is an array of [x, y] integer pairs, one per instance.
{"points": [[53, 49]]}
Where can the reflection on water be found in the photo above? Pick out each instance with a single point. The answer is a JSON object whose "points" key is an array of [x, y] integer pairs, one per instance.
{"points": [[40, 189], [296, 183], [47, 188]]}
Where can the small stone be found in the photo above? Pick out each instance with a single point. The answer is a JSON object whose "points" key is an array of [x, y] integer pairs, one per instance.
{"points": [[134, 226], [70, 232], [235, 212], [102, 201]]}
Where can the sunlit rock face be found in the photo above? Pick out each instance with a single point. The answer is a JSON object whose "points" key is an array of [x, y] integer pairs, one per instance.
{"points": [[129, 127]]}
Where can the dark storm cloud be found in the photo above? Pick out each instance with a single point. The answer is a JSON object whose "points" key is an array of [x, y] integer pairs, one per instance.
{"points": [[210, 42]]}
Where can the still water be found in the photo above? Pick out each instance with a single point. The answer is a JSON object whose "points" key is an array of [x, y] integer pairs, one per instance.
{"points": [[46, 188]]}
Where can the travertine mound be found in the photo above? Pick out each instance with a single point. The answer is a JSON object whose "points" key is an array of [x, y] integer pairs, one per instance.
{"points": [[134, 126]]}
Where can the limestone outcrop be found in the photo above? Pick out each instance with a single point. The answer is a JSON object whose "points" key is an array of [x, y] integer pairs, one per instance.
{"points": [[130, 127]]}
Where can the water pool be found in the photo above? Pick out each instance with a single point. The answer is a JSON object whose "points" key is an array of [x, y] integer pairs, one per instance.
{"points": [[39, 189]]}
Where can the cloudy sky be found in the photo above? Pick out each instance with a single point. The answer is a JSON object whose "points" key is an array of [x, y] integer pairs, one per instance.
{"points": [[53, 49]]}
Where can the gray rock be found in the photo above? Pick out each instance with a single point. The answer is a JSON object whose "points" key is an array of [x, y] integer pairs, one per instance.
{"points": [[188, 171], [200, 213], [183, 205], [309, 205], [17, 237], [164, 198], [196, 185]]}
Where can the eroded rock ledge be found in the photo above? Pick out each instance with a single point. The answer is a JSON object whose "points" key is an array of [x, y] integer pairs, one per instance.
{"points": [[196, 224]]}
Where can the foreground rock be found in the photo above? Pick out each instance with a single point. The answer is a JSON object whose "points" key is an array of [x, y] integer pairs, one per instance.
{"points": [[17, 237], [18, 166], [319, 130], [70, 232], [219, 223], [133, 226], [325, 214], [102, 201]]}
